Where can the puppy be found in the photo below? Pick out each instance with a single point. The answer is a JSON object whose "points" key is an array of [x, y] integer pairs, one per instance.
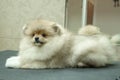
{"points": [[46, 44]]}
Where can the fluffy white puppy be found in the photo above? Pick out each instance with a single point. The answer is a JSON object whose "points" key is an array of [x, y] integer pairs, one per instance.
{"points": [[46, 44]]}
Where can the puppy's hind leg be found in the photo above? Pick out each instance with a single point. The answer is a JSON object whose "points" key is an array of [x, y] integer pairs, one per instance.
{"points": [[95, 60]]}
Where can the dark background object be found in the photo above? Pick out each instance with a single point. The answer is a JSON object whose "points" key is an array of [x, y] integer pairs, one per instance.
{"points": [[116, 3]]}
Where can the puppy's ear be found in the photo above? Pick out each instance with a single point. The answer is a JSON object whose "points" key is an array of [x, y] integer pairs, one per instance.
{"points": [[24, 28], [58, 29]]}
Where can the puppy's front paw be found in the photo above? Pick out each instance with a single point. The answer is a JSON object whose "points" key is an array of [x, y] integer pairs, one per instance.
{"points": [[13, 62]]}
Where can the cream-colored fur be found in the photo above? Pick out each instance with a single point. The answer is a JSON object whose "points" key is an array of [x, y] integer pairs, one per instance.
{"points": [[58, 48], [89, 30], [116, 39]]}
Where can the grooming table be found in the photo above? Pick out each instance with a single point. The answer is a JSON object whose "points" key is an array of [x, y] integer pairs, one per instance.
{"points": [[111, 72]]}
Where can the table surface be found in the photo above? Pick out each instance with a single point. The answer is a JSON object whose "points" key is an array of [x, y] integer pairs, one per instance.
{"points": [[111, 72]]}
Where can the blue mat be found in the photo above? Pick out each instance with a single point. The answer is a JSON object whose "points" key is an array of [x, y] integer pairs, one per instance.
{"points": [[111, 72]]}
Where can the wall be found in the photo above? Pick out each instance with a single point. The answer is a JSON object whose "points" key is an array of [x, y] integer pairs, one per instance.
{"points": [[15, 13], [107, 17], [74, 15]]}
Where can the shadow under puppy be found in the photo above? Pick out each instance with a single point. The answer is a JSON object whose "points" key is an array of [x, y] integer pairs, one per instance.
{"points": [[46, 44]]}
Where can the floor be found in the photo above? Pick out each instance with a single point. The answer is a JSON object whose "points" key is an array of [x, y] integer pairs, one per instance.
{"points": [[111, 72]]}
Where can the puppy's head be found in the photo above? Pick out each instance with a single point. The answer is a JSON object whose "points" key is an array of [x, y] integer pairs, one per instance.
{"points": [[41, 31]]}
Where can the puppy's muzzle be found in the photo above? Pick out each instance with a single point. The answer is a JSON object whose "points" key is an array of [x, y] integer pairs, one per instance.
{"points": [[37, 40]]}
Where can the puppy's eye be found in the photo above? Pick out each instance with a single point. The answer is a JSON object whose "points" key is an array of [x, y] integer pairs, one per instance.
{"points": [[33, 34], [44, 35]]}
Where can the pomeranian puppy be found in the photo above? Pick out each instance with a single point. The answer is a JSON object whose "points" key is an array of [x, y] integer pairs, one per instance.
{"points": [[46, 44]]}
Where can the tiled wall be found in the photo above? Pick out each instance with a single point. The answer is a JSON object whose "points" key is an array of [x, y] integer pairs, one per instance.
{"points": [[15, 13]]}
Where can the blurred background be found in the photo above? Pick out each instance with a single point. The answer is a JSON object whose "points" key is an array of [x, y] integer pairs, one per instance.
{"points": [[15, 13]]}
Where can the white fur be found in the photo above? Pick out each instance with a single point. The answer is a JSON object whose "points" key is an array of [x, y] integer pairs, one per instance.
{"points": [[103, 53], [89, 30], [116, 39], [42, 53], [100, 52], [13, 62]]}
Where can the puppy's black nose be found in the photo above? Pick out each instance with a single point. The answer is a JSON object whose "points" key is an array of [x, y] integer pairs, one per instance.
{"points": [[37, 39]]}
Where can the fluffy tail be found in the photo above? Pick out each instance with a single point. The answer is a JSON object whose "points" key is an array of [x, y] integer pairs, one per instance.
{"points": [[94, 30], [116, 39], [89, 30]]}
